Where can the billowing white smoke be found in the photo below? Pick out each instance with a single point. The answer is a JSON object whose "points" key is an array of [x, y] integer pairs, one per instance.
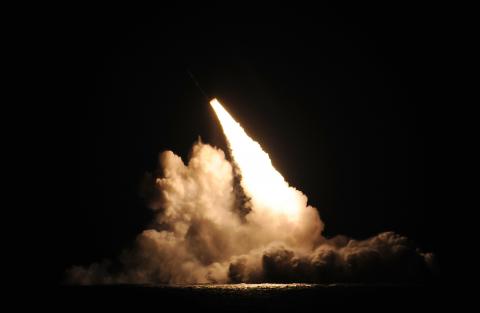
{"points": [[201, 235]]}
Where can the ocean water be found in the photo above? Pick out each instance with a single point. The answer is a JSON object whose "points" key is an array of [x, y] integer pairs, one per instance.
{"points": [[250, 297]]}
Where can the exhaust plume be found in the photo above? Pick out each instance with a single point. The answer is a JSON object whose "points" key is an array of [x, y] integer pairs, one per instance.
{"points": [[201, 235]]}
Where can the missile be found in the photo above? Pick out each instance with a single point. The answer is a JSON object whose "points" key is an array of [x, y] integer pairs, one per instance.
{"points": [[207, 98]]}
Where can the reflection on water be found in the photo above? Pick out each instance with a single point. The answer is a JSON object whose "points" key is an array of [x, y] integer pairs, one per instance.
{"points": [[268, 286], [257, 290], [248, 297], [247, 286]]}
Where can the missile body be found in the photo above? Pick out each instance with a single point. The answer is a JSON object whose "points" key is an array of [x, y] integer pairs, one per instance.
{"points": [[198, 86]]}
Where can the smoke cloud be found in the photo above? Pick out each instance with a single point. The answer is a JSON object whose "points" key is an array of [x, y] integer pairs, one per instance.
{"points": [[206, 231]]}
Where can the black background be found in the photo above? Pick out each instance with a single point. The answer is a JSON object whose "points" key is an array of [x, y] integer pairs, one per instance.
{"points": [[335, 94]]}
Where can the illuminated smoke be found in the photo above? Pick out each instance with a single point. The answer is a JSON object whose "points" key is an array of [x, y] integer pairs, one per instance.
{"points": [[200, 236]]}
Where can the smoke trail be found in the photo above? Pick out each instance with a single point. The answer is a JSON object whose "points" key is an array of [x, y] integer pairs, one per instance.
{"points": [[207, 231]]}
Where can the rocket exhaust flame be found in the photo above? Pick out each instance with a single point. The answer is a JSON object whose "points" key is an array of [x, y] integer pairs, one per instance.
{"points": [[261, 181], [197, 236]]}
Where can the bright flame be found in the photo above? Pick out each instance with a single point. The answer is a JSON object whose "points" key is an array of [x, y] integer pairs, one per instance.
{"points": [[261, 181]]}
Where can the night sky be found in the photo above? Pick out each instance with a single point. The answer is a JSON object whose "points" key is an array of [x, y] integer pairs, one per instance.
{"points": [[331, 93]]}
